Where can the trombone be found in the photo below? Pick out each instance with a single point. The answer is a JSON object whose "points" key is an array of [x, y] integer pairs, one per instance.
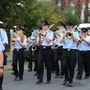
{"points": [[69, 35], [42, 35], [81, 37], [56, 46]]}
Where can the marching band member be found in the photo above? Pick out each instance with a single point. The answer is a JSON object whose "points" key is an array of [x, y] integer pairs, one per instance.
{"points": [[88, 31], [61, 27], [33, 54], [32, 38], [45, 53], [62, 30], [3, 43], [39, 28], [18, 54], [84, 55], [57, 52], [69, 54]]}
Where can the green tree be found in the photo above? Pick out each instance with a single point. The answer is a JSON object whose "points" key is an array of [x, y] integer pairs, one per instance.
{"points": [[33, 13], [70, 16]]}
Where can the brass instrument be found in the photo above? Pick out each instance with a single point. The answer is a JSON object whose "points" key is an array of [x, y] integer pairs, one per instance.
{"points": [[79, 30], [69, 35], [79, 41], [56, 46], [81, 37], [55, 36], [42, 35], [34, 48], [14, 38]]}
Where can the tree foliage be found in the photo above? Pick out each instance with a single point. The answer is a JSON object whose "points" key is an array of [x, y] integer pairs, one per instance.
{"points": [[32, 13], [70, 14]]}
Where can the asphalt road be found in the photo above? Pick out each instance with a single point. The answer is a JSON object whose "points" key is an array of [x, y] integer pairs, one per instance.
{"points": [[29, 83]]}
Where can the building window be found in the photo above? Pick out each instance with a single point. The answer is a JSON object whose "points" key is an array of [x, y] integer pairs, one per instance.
{"points": [[72, 4], [59, 3], [89, 6]]}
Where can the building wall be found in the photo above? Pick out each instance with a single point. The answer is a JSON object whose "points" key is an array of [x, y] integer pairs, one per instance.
{"points": [[75, 1]]}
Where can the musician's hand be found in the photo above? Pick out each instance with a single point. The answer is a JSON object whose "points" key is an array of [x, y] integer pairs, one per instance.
{"points": [[39, 36], [64, 36], [58, 33], [53, 42], [17, 40], [1, 72], [83, 40]]}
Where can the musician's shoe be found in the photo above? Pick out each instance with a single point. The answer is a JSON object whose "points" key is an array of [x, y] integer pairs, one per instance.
{"points": [[29, 70], [16, 77], [48, 82], [78, 77], [86, 77], [64, 82], [39, 82], [1, 89], [62, 76], [56, 76], [70, 84], [20, 79]]}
